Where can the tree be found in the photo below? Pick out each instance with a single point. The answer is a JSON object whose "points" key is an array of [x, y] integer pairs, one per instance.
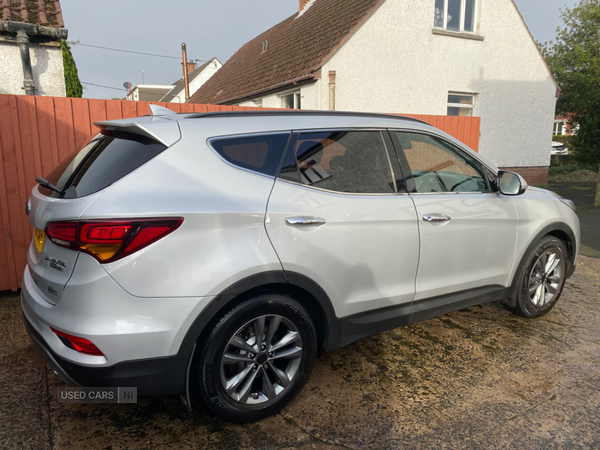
{"points": [[74, 88], [575, 61]]}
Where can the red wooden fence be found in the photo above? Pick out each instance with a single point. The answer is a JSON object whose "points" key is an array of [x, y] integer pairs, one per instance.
{"points": [[36, 133]]}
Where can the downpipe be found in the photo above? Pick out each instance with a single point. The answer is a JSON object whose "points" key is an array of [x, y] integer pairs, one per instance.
{"points": [[23, 43]]}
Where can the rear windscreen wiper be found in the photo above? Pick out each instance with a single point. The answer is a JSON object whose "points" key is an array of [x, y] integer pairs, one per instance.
{"points": [[47, 184]]}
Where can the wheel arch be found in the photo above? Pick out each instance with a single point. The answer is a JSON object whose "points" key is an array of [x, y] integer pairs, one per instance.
{"points": [[300, 287], [559, 230]]}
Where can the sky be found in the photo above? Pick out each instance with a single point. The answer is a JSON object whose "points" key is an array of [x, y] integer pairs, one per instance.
{"points": [[209, 28]]}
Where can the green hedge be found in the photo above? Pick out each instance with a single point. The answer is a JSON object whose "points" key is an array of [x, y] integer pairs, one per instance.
{"points": [[564, 139]]}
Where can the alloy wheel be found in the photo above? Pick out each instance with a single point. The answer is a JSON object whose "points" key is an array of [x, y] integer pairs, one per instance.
{"points": [[261, 360], [546, 277]]}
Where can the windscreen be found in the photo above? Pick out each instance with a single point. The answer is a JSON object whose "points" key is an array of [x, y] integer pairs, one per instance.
{"points": [[107, 158]]}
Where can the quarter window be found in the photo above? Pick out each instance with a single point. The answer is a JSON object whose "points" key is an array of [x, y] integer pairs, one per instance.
{"points": [[460, 104], [341, 161], [257, 153], [437, 166], [455, 15]]}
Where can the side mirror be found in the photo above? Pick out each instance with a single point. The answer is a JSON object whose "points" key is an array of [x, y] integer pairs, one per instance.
{"points": [[510, 183]]}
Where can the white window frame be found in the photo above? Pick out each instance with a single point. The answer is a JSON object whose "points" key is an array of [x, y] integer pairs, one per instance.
{"points": [[462, 18], [297, 98], [561, 128], [462, 105]]}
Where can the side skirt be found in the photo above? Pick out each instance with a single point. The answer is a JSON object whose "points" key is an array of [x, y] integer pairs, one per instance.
{"points": [[436, 306], [357, 326]]}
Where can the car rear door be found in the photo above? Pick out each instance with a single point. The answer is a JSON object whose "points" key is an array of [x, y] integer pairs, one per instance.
{"points": [[338, 216], [467, 231]]}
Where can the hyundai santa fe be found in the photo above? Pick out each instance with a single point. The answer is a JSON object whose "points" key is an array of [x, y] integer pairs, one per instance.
{"points": [[215, 256]]}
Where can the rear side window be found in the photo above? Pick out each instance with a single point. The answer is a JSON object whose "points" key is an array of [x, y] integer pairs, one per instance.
{"points": [[104, 160], [256, 153], [341, 161]]}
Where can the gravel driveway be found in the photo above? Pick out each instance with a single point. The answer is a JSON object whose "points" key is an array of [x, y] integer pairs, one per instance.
{"points": [[477, 378]]}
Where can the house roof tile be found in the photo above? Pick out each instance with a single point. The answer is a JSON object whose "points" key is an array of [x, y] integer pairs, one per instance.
{"points": [[290, 51], [46, 13]]}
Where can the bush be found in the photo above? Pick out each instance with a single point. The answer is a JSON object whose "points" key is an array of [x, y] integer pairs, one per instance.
{"points": [[564, 139]]}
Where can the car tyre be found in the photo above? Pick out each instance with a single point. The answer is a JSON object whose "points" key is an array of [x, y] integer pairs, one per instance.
{"points": [[254, 358], [541, 278]]}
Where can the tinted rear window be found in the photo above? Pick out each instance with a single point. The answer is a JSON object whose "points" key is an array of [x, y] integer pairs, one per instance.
{"points": [[104, 160], [257, 153]]}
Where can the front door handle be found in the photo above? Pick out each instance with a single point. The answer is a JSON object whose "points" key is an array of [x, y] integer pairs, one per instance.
{"points": [[305, 221], [436, 218]]}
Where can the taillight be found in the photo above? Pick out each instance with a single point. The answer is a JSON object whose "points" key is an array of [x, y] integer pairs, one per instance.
{"points": [[77, 343], [108, 241], [63, 233]]}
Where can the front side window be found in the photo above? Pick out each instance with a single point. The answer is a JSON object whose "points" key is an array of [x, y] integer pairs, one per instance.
{"points": [[291, 101], [455, 15], [460, 104], [437, 166], [341, 161], [260, 153]]}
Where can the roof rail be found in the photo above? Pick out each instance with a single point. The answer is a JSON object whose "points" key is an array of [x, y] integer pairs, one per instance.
{"points": [[300, 113]]}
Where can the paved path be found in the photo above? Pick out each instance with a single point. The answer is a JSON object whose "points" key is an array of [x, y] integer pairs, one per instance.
{"points": [[478, 378]]}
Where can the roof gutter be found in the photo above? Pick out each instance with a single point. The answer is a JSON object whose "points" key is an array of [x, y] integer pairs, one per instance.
{"points": [[34, 30], [24, 31], [310, 76]]}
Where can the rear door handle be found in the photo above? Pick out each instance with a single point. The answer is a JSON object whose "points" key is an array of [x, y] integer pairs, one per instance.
{"points": [[436, 218], [305, 221]]}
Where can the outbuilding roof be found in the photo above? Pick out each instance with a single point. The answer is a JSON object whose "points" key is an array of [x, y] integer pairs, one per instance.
{"points": [[46, 13], [289, 53]]}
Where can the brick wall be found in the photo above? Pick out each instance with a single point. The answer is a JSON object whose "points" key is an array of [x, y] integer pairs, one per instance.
{"points": [[534, 176]]}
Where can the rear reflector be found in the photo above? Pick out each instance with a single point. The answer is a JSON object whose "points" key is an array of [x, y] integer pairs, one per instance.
{"points": [[108, 241], [80, 344]]}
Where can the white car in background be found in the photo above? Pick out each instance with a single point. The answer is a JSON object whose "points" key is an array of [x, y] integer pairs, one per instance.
{"points": [[558, 148]]}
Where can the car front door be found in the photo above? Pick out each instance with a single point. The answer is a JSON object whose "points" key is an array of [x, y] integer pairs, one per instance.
{"points": [[467, 231], [335, 216]]}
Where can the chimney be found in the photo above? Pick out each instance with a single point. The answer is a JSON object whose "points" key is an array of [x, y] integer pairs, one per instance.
{"points": [[303, 4], [191, 66]]}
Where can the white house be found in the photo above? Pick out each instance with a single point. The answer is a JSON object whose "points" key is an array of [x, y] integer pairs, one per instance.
{"points": [[30, 48], [196, 78], [175, 93], [149, 92], [439, 57]]}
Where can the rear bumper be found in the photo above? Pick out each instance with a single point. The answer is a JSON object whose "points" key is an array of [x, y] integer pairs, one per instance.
{"points": [[159, 376], [140, 338]]}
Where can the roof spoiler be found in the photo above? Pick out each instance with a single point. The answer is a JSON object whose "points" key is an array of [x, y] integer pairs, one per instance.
{"points": [[166, 132]]}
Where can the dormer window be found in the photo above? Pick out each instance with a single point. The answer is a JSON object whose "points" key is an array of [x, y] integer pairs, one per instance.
{"points": [[455, 15]]}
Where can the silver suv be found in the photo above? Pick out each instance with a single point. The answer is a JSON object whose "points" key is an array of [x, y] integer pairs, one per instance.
{"points": [[217, 255]]}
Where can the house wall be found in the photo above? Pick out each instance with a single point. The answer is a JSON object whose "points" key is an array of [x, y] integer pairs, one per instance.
{"points": [[409, 69], [48, 70], [311, 97]]}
